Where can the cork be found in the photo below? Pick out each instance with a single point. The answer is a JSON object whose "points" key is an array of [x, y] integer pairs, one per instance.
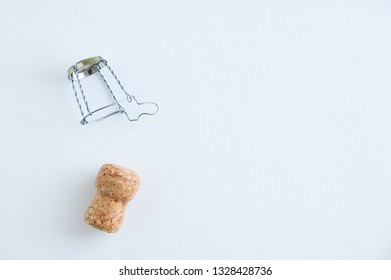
{"points": [[115, 187]]}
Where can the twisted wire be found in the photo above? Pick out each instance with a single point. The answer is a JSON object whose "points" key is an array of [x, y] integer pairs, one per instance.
{"points": [[82, 91], [122, 110], [129, 97], [76, 96]]}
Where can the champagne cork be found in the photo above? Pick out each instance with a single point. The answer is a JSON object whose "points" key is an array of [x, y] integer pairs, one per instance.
{"points": [[116, 186]]}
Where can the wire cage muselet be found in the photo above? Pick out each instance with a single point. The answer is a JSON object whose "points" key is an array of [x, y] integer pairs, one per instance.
{"points": [[94, 65]]}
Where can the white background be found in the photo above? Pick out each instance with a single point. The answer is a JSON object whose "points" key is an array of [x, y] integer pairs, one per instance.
{"points": [[273, 139]]}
